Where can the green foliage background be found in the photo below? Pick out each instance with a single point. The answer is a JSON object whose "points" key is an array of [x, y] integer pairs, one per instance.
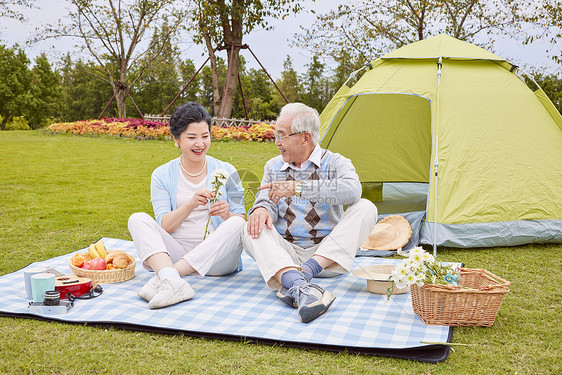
{"points": [[70, 90]]}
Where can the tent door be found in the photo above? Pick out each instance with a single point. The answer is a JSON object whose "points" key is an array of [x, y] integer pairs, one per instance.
{"points": [[387, 136]]}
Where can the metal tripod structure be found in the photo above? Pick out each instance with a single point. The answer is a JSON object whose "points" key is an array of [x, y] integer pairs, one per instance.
{"points": [[231, 48], [121, 86]]}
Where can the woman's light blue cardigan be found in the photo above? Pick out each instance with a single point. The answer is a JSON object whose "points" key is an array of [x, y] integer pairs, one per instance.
{"points": [[164, 188]]}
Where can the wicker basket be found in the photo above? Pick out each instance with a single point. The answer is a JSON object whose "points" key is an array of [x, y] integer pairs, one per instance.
{"points": [[475, 303], [106, 276]]}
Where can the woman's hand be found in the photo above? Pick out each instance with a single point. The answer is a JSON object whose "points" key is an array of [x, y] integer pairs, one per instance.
{"points": [[173, 219], [220, 208], [200, 198]]}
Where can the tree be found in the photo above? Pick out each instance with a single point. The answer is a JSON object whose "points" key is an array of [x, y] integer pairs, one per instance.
{"points": [[553, 17], [370, 28], [238, 110], [346, 65], [113, 32], [15, 83], [160, 82], [45, 95], [8, 12], [289, 84], [187, 70], [315, 87], [546, 16], [83, 94], [222, 24], [259, 95], [208, 83], [552, 86]]}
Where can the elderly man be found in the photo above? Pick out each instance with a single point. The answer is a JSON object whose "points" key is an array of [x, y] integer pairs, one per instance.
{"points": [[297, 226]]}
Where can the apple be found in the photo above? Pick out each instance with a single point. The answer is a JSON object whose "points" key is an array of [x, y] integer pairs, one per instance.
{"points": [[86, 265], [98, 264]]}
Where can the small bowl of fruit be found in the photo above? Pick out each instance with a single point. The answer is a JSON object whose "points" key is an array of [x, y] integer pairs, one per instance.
{"points": [[102, 265]]}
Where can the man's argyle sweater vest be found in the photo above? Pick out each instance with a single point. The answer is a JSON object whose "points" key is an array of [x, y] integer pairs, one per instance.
{"points": [[303, 222]]}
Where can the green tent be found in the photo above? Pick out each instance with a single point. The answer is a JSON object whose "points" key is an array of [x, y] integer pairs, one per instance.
{"points": [[444, 118]]}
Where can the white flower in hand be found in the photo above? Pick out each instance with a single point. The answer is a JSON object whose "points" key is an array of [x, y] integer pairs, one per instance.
{"points": [[218, 179], [220, 175]]}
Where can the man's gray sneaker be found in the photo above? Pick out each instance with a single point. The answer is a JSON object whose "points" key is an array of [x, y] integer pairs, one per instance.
{"points": [[312, 301], [285, 296]]}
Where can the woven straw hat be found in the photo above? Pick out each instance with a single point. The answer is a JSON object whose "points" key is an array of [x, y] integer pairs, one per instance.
{"points": [[377, 278], [390, 233]]}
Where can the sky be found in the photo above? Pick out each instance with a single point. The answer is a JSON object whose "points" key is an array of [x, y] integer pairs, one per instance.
{"points": [[260, 41], [271, 47]]}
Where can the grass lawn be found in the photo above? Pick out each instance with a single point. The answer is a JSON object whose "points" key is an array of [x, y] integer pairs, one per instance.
{"points": [[61, 193]]}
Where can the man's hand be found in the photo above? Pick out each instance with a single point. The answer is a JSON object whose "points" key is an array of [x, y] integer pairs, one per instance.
{"points": [[279, 189], [257, 220]]}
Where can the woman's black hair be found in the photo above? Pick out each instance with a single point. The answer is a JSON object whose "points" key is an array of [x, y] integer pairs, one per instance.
{"points": [[185, 115]]}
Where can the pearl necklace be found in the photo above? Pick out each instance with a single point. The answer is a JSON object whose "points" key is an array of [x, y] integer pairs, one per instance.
{"points": [[189, 174]]}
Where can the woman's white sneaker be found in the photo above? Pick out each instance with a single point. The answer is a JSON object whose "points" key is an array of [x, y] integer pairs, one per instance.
{"points": [[148, 291], [169, 292]]}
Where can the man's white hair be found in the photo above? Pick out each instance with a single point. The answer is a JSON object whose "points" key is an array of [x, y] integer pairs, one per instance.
{"points": [[305, 119]]}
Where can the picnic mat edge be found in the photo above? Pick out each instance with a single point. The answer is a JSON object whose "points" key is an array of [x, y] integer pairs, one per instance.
{"points": [[425, 353], [429, 353]]}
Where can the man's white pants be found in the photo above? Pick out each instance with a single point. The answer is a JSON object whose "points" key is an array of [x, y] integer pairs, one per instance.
{"points": [[273, 253], [218, 254]]}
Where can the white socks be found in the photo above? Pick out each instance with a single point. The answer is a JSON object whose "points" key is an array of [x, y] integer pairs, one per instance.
{"points": [[169, 273]]}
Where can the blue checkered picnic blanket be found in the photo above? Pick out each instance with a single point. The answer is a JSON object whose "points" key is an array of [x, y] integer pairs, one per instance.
{"points": [[240, 305]]}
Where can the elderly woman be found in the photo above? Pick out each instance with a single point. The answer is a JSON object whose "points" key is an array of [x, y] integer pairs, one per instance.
{"points": [[176, 244]]}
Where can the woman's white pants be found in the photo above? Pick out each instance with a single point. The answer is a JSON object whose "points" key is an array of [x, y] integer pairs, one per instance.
{"points": [[218, 254]]}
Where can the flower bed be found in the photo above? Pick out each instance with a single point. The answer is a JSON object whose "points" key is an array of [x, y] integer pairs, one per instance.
{"points": [[143, 129]]}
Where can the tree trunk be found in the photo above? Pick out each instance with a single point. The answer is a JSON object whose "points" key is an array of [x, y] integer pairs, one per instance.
{"points": [[232, 34], [4, 122], [215, 75], [120, 99], [231, 23], [232, 79], [121, 94]]}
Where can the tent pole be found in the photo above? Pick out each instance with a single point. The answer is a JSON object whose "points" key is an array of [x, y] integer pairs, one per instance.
{"points": [[435, 167], [353, 74], [436, 163]]}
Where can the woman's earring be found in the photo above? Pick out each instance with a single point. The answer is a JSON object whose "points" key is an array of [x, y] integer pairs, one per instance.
{"points": [[177, 145]]}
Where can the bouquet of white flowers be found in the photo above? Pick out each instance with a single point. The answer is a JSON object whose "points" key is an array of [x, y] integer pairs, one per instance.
{"points": [[218, 179], [421, 268]]}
